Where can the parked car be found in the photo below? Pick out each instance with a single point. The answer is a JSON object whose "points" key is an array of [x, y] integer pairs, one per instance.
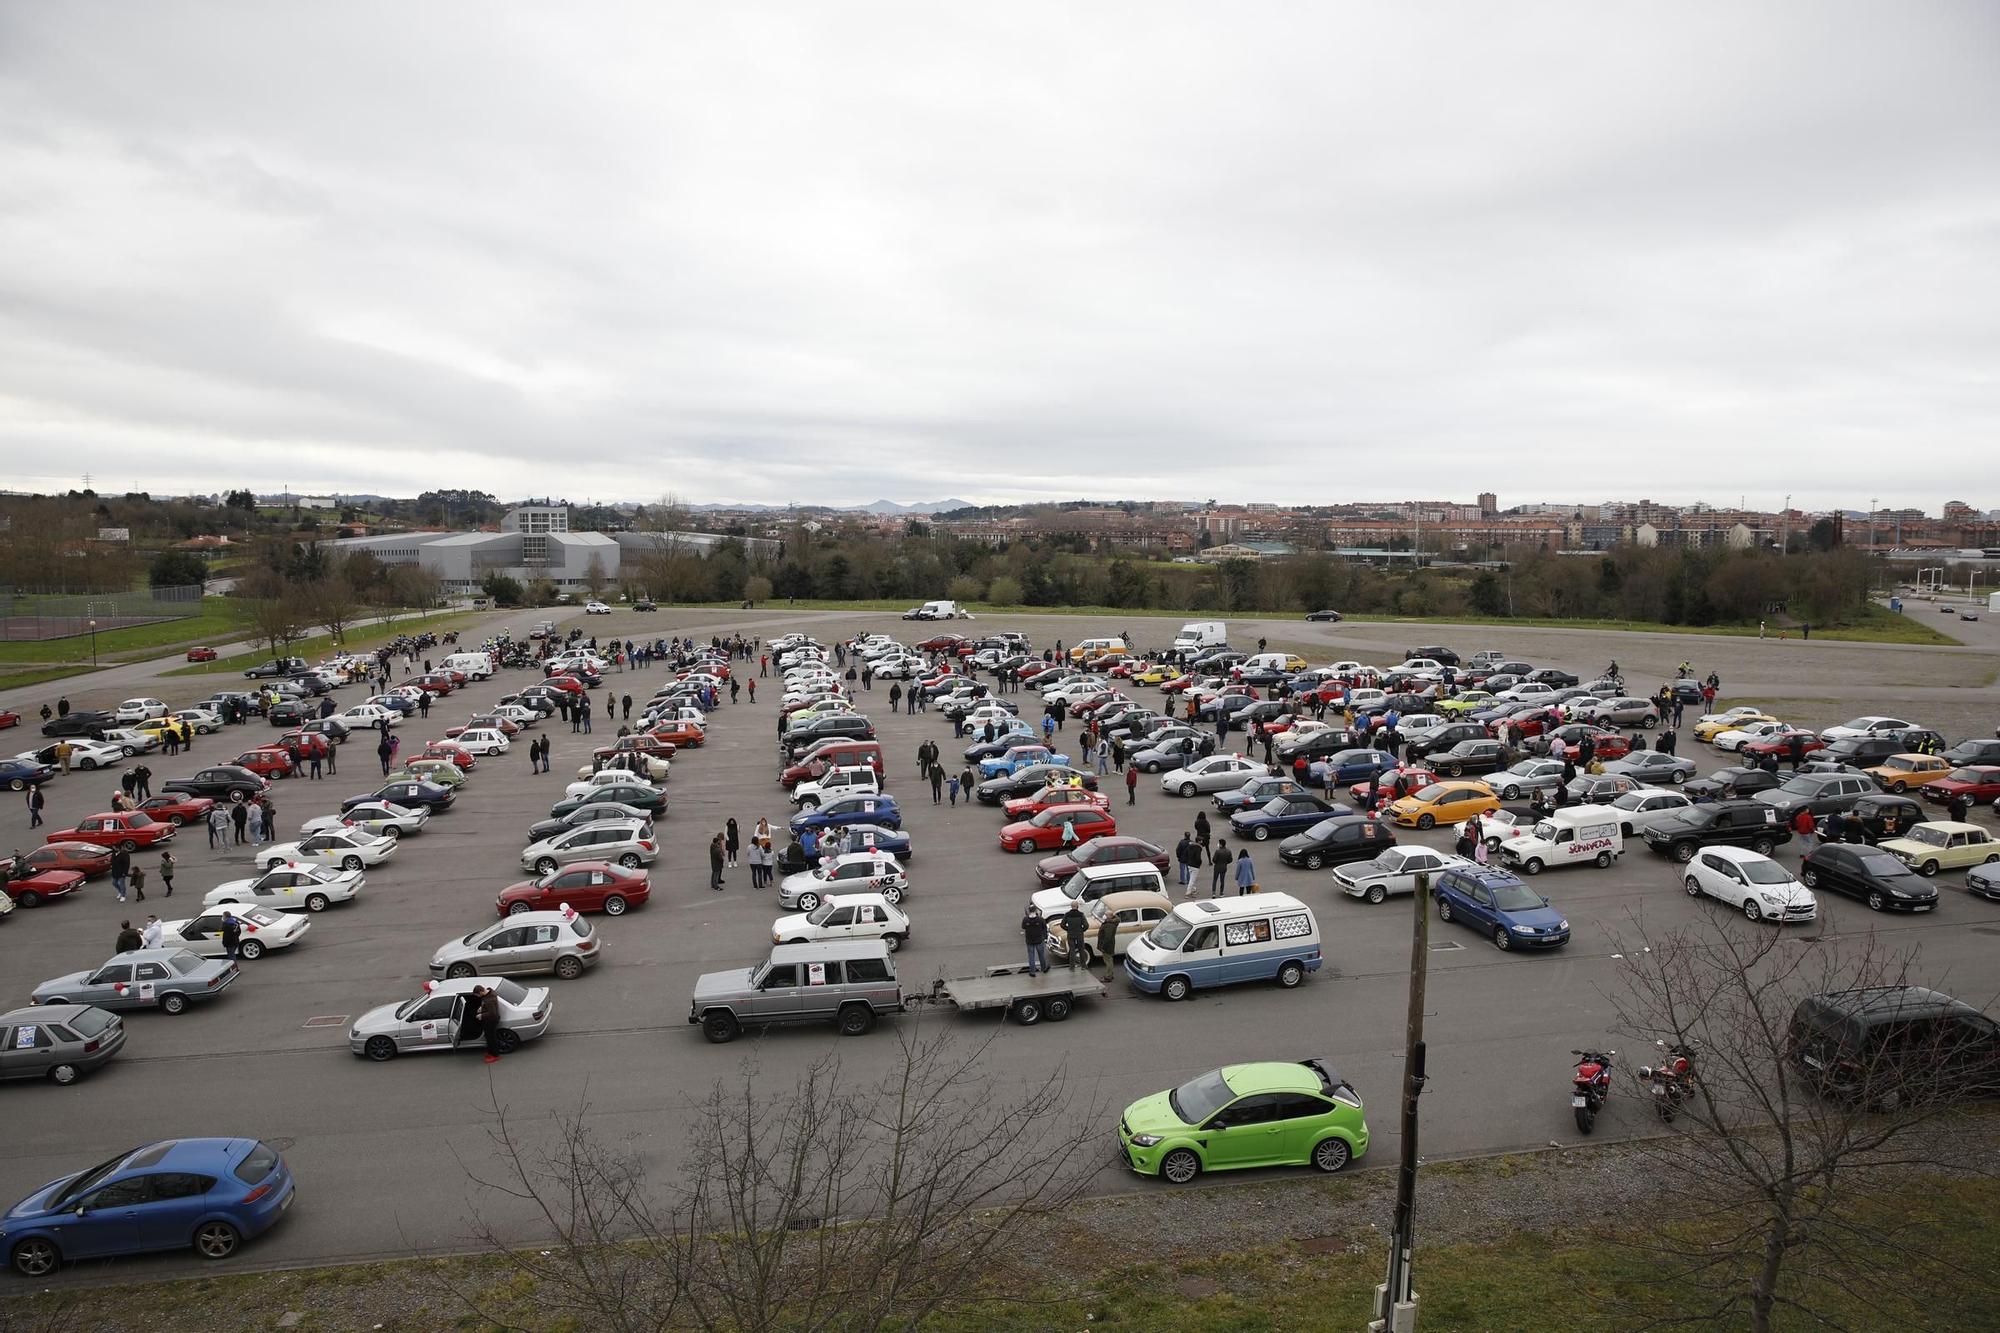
{"points": [[443, 1018], [585, 886], [165, 979], [1337, 840], [1943, 845], [848, 983], [58, 1042], [1880, 879], [261, 930], [1755, 885], [1500, 906], [1276, 1113], [1393, 870], [561, 942], [122, 830], [1893, 1045], [845, 916], [870, 871]]}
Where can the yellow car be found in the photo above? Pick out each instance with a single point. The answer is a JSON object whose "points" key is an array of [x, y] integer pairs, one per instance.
{"points": [[1471, 701], [165, 726], [1444, 803], [1943, 845], [1155, 675], [1715, 724], [1900, 772]]}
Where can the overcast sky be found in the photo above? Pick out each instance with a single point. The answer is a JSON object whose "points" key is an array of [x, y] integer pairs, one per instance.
{"points": [[838, 252]]}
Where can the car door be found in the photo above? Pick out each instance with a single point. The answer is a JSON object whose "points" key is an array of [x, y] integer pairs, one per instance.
{"points": [[1245, 1132], [780, 996], [110, 987], [839, 923], [109, 1220], [175, 1202], [1839, 871], [148, 978], [26, 1050], [1718, 879], [431, 1026], [1419, 860], [509, 951], [1478, 906]]}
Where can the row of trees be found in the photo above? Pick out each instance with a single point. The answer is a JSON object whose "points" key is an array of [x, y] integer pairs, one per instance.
{"points": [[299, 588]]}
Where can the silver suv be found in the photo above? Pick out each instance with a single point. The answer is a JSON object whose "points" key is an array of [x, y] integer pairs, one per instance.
{"points": [[559, 942], [629, 842], [846, 982]]}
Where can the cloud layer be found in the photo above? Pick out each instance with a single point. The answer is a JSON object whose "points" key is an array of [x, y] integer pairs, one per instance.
{"points": [[834, 252]]}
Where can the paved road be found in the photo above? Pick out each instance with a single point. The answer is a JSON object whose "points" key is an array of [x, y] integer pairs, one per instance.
{"points": [[386, 1153]]}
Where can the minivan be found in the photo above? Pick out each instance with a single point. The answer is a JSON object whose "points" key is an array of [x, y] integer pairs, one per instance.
{"points": [[1223, 941], [476, 666], [1574, 835], [1092, 882], [1891, 1045], [1091, 649], [847, 982]]}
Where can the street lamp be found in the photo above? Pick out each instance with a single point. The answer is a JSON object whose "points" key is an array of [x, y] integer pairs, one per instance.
{"points": [[93, 643]]}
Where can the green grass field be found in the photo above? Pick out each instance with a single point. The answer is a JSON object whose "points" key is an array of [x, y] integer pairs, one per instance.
{"points": [[220, 619], [356, 641]]}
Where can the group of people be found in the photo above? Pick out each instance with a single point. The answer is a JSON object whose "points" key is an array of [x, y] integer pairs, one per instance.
{"points": [[1193, 850], [229, 932], [1075, 928]]}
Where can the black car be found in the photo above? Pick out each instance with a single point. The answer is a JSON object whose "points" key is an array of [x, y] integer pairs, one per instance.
{"points": [[1861, 751], [590, 813], [1446, 736], [1256, 792], [1894, 1045], [277, 666], [1881, 815], [1326, 617], [1466, 757], [1555, 676], [86, 722], [1729, 784], [291, 712], [644, 604], [1028, 780], [220, 701], [1259, 675], [1313, 745], [853, 725], [1337, 840], [224, 782], [332, 728], [650, 799], [411, 793], [999, 745], [1974, 753], [1749, 824], [1686, 692], [1437, 653], [1870, 874]]}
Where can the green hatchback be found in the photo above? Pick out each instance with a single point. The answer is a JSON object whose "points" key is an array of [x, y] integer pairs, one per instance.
{"points": [[1275, 1113]]}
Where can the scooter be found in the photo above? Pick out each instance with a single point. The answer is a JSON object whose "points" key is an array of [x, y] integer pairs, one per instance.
{"points": [[1672, 1081], [1592, 1083]]}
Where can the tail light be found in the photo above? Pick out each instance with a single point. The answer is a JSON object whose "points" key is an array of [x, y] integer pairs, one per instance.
{"points": [[587, 946], [646, 844], [257, 1193], [90, 1048], [539, 1014]]}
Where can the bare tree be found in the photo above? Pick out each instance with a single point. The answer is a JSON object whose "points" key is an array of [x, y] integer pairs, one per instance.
{"points": [[594, 575], [1776, 1152], [334, 605], [280, 619], [830, 1208]]}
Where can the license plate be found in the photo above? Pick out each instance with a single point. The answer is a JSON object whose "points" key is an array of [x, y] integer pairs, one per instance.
{"points": [[293, 1194], [1577, 1099]]}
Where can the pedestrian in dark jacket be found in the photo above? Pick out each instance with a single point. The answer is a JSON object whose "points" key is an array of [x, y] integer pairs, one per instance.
{"points": [[1201, 831], [715, 859], [167, 867], [1220, 872], [937, 784], [489, 1024], [128, 938], [732, 842], [1107, 943], [1131, 784], [232, 933], [1075, 926], [121, 871], [1035, 931], [36, 803]]}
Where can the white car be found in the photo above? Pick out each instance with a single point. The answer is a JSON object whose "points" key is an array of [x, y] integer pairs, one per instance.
{"points": [[1218, 772], [1756, 885], [1501, 826], [263, 930], [846, 916], [378, 817], [1643, 807], [1527, 691], [350, 849], [295, 888], [519, 715], [860, 872], [654, 768], [140, 710], [483, 740], [1870, 725], [83, 753], [605, 777], [205, 721], [1737, 737], [1393, 870], [836, 782], [439, 1019], [596, 609], [364, 717]]}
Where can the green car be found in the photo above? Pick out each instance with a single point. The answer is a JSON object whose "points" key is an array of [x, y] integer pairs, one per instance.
{"points": [[441, 771], [1276, 1113]]}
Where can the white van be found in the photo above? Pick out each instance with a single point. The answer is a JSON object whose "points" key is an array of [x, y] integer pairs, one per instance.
{"points": [[1573, 835], [1222, 941], [476, 666], [1199, 634], [940, 611], [1089, 650]]}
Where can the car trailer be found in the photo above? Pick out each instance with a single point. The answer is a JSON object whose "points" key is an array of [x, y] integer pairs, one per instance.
{"points": [[1025, 999]]}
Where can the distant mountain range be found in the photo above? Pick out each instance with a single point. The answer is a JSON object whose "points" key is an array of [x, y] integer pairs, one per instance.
{"points": [[879, 507]]}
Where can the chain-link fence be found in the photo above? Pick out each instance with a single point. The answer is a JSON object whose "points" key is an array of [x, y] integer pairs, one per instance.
{"points": [[28, 614]]}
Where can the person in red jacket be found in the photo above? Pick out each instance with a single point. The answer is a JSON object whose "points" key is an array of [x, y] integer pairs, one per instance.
{"points": [[1131, 784], [1804, 826]]}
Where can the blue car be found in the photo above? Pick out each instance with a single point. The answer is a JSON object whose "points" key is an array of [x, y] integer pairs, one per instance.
{"points": [[1001, 743], [867, 837], [862, 808], [1505, 909], [1020, 756], [17, 774], [1282, 815], [406, 792], [212, 1194], [1349, 767]]}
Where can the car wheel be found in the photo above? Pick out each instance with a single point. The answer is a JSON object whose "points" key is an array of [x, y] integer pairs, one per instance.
{"points": [[391, 831], [892, 894], [1762, 846], [1675, 777], [36, 1257], [1603, 860], [250, 949], [1876, 902], [1261, 833], [1533, 865], [1331, 1154], [350, 863], [316, 902], [1376, 893], [1426, 822], [1057, 1008], [1027, 847], [1502, 939], [1180, 1166], [379, 1049], [457, 970], [855, 1020], [1809, 877], [1684, 852], [1649, 721], [128, 846], [1027, 1012], [1693, 886], [86, 764], [614, 905], [569, 967], [1456, 770], [1175, 988], [1153, 767], [1291, 974], [720, 1028], [64, 1074], [239, 795], [545, 865], [1512, 793], [173, 1002], [506, 1041], [808, 901], [1314, 861], [1899, 787], [809, 803], [1444, 910], [1750, 909]]}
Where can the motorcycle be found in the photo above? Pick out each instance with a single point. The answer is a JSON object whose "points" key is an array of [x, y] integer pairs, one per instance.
{"points": [[1672, 1081], [1592, 1083]]}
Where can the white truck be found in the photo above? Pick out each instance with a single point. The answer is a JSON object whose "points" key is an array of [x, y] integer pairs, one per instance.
{"points": [[1199, 634]]}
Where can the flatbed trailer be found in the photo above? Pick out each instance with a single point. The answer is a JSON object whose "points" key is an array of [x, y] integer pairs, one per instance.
{"points": [[1027, 1000]]}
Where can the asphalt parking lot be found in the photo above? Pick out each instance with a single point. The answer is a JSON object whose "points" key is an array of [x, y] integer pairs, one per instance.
{"points": [[385, 1154]]}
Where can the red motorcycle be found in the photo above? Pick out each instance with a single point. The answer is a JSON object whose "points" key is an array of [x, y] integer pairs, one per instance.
{"points": [[1592, 1084], [1671, 1082]]}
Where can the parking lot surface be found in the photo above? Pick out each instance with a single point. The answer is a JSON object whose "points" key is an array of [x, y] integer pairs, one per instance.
{"points": [[386, 1154]]}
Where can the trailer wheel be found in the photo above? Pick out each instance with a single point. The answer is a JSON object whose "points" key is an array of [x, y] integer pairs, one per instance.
{"points": [[1027, 1012], [1057, 1008]]}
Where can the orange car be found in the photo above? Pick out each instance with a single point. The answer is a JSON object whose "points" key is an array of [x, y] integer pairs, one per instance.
{"points": [[1444, 803], [678, 733], [1900, 772]]}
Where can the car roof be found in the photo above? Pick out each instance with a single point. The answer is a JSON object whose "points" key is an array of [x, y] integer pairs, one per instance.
{"points": [[1729, 853], [829, 949], [40, 1013], [1950, 826], [1270, 1076]]}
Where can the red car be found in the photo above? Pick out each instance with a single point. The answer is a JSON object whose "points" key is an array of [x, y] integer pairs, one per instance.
{"points": [[302, 745], [583, 886], [435, 683], [9, 718], [87, 859], [127, 829], [177, 809], [939, 643], [37, 887], [1978, 784], [567, 684], [1026, 807], [457, 754], [678, 733], [1034, 669], [1044, 833], [638, 743], [1779, 744], [201, 654], [1100, 851], [269, 765], [1415, 779], [1176, 685]]}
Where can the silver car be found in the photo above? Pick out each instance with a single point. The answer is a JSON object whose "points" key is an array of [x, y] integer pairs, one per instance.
{"points": [[443, 1019], [629, 842], [1620, 712], [377, 817], [58, 1042], [1641, 809], [1219, 772], [1527, 775], [561, 942], [167, 979], [1652, 766]]}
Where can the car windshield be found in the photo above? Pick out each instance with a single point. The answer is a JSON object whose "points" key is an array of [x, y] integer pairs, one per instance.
{"points": [[87, 1180], [1170, 933], [1801, 786], [1629, 800], [1764, 872], [1928, 836], [1514, 898], [819, 914], [1195, 1101], [1433, 792], [1881, 864], [1968, 775]]}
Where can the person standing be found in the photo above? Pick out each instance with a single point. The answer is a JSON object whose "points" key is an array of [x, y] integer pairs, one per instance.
{"points": [[1805, 826], [232, 933], [535, 755], [1185, 854], [1131, 784], [167, 867], [121, 871], [1035, 931], [149, 938], [730, 841], [1246, 873], [1107, 942], [139, 883], [715, 858], [756, 858], [1219, 871], [255, 816], [937, 784], [1075, 925], [128, 939], [489, 1023], [218, 825], [36, 802]]}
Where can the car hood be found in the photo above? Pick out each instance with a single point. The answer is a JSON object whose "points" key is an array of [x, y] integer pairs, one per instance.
{"points": [[1153, 1115], [721, 985], [1545, 917], [69, 981], [382, 1018]]}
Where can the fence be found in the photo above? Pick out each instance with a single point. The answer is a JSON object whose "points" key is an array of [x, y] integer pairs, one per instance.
{"points": [[60, 615]]}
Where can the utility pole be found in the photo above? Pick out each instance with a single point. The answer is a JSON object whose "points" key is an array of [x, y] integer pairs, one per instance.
{"points": [[1872, 503], [1785, 528], [1396, 1299]]}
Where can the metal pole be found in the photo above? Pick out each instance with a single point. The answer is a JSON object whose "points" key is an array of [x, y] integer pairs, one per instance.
{"points": [[93, 643], [1395, 1299]]}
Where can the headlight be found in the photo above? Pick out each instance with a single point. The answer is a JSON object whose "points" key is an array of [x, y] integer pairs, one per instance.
{"points": [[1900, 893], [1145, 1140], [1770, 899], [1524, 930]]}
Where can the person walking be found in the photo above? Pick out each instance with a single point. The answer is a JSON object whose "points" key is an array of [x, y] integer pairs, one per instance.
{"points": [[1201, 829], [218, 824], [715, 859], [63, 752], [36, 802], [489, 1023], [951, 790], [121, 871], [382, 751], [128, 939], [1246, 873], [139, 884], [167, 867], [1805, 826], [1219, 869], [1131, 784], [255, 816], [937, 784], [232, 933], [1035, 931], [1075, 925], [731, 841], [313, 764]]}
